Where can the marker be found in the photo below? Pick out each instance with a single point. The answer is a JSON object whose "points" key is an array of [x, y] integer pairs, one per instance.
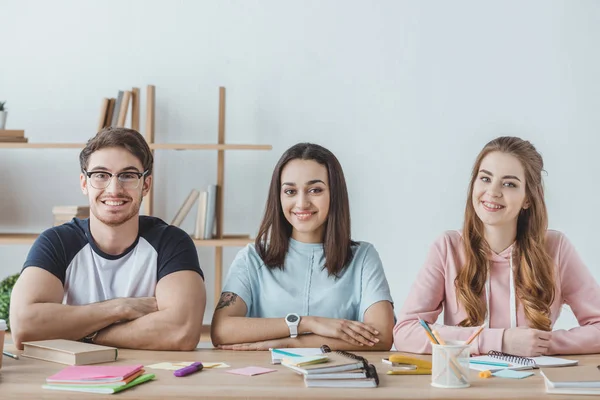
{"points": [[285, 353], [195, 367]]}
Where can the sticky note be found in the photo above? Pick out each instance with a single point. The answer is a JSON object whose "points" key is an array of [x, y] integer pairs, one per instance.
{"points": [[250, 371], [509, 373], [170, 366], [174, 366], [215, 365]]}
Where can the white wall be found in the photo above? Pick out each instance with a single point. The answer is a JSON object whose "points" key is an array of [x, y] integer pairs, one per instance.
{"points": [[405, 93]]}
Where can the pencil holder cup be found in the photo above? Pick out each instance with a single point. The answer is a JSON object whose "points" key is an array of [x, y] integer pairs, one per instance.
{"points": [[450, 365], [2, 333]]}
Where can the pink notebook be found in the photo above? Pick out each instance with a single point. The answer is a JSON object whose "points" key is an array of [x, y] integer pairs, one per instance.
{"points": [[96, 373]]}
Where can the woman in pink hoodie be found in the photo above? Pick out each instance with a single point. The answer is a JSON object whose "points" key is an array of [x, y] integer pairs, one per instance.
{"points": [[505, 270]]}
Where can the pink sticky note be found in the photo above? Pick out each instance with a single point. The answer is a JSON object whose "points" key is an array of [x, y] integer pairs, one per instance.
{"points": [[250, 371]]}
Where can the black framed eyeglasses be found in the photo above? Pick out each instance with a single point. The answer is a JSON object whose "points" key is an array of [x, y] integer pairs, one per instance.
{"points": [[127, 179]]}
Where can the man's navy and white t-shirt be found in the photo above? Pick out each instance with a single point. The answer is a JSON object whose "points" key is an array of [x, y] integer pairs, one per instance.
{"points": [[89, 275]]}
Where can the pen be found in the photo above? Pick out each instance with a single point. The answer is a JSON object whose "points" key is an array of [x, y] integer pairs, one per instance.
{"points": [[197, 366], [11, 355], [489, 363], [285, 353]]}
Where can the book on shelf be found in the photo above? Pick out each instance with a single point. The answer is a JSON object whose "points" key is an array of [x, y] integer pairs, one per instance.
{"points": [[75, 210], [201, 216], [113, 111], [211, 206], [123, 108], [12, 136], [115, 116], [12, 133], [64, 214], [109, 112], [185, 207], [103, 113], [69, 352], [206, 212]]}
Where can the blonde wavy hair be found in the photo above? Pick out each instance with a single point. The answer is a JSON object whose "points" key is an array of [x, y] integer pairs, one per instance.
{"points": [[533, 266]]}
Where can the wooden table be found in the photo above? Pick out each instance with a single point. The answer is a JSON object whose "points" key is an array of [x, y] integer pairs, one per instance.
{"points": [[23, 379]]}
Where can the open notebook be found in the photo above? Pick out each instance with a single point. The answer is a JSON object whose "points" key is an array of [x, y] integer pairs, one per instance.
{"points": [[496, 360]]}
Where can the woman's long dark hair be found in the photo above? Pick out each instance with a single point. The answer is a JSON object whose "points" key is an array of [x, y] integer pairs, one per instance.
{"points": [[275, 231]]}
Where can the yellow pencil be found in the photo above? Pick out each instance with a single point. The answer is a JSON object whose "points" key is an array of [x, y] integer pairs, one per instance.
{"points": [[438, 337], [474, 335]]}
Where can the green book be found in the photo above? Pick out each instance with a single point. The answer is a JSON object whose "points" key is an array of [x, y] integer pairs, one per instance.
{"points": [[108, 389]]}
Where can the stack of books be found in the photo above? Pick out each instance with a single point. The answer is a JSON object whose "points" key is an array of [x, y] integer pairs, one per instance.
{"points": [[63, 214], [98, 379], [69, 352], [206, 214], [572, 380], [113, 111], [334, 369], [12, 136]]}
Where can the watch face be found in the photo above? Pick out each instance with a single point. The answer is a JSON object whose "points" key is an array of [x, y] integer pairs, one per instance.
{"points": [[292, 318]]}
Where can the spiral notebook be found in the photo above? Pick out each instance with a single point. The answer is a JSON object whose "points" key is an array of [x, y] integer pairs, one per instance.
{"points": [[496, 360]]}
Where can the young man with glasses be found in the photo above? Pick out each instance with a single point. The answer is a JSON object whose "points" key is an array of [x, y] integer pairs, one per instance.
{"points": [[117, 278]]}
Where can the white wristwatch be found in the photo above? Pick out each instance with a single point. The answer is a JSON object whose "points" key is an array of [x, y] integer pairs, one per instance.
{"points": [[292, 320]]}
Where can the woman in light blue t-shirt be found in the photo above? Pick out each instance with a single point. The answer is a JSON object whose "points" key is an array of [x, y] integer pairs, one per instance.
{"points": [[304, 282]]}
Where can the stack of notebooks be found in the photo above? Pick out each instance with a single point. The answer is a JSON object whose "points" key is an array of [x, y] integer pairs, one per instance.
{"points": [[575, 380], [64, 214], [333, 369], [12, 136], [98, 379], [495, 361]]}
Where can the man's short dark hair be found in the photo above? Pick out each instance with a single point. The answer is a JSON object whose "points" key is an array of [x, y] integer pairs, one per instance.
{"points": [[128, 139]]}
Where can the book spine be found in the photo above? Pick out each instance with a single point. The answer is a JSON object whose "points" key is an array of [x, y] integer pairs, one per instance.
{"points": [[211, 205], [185, 208], [115, 116], [201, 216], [123, 109], [103, 113], [110, 112]]}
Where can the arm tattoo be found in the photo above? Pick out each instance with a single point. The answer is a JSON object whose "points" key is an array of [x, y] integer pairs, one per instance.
{"points": [[227, 299]]}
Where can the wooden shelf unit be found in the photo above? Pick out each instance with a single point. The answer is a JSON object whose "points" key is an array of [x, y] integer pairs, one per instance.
{"points": [[153, 146], [221, 240], [29, 238]]}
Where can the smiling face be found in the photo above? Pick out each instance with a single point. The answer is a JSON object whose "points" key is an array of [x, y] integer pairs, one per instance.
{"points": [[114, 205], [499, 190], [305, 199]]}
